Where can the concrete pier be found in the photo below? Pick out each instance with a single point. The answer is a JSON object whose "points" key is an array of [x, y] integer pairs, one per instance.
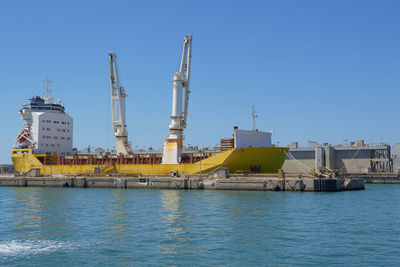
{"points": [[256, 183], [378, 178]]}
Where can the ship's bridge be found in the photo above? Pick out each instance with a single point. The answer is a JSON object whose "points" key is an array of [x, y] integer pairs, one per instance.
{"points": [[39, 104]]}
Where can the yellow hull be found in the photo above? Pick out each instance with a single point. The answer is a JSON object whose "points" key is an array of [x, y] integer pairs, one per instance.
{"points": [[267, 159]]}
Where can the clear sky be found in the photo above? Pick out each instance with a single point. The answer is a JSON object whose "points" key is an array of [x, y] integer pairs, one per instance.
{"points": [[325, 71]]}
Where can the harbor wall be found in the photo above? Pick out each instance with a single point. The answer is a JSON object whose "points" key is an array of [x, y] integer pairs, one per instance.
{"points": [[232, 183]]}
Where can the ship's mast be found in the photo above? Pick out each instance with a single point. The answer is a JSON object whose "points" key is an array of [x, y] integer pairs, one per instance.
{"points": [[253, 118], [118, 108], [48, 99], [172, 152]]}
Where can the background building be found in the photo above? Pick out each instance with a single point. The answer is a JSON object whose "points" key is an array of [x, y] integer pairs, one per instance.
{"points": [[355, 157]]}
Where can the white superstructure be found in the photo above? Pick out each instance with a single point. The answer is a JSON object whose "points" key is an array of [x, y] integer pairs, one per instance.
{"points": [[47, 128], [253, 138], [245, 138]]}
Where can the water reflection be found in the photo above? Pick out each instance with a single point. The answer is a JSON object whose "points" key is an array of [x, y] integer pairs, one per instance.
{"points": [[171, 201], [40, 212], [119, 220], [173, 218], [27, 205]]}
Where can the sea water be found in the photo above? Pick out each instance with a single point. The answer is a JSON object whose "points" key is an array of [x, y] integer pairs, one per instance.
{"points": [[129, 227]]}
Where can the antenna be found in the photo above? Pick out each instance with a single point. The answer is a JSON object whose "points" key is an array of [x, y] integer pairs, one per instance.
{"points": [[253, 118], [48, 90], [47, 98]]}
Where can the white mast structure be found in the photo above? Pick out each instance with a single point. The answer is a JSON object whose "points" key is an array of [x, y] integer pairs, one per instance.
{"points": [[48, 99], [172, 152], [253, 119], [118, 109]]}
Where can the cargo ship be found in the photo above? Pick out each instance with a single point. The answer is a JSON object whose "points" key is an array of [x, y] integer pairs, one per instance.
{"points": [[44, 144]]}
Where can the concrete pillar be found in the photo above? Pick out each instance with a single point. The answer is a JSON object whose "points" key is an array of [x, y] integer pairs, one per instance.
{"points": [[319, 157], [330, 157]]}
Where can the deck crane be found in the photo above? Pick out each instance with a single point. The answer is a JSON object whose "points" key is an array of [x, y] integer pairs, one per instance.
{"points": [[118, 109], [172, 153]]}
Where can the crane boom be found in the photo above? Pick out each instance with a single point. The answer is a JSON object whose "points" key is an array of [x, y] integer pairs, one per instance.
{"points": [[188, 48], [118, 108], [173, 144]]}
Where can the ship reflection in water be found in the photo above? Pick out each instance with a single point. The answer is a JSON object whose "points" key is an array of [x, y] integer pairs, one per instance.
{"points": [[37, 213], [172, 217]]}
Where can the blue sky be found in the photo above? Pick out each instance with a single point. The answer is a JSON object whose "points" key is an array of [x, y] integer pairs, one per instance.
{"points": [[314, 70]]}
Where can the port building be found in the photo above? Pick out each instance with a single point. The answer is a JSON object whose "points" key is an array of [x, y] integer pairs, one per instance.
{"points": [[354, 157]]}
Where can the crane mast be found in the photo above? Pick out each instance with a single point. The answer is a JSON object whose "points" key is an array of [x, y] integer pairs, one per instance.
{"points": [[172, 152], [118, 108]]}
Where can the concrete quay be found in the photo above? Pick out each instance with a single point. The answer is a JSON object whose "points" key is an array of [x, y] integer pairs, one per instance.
{"points": [[377, 178], [257, 183]]}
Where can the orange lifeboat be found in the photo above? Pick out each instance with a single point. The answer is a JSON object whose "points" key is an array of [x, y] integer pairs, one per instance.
{"points": [[23, 135]]}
